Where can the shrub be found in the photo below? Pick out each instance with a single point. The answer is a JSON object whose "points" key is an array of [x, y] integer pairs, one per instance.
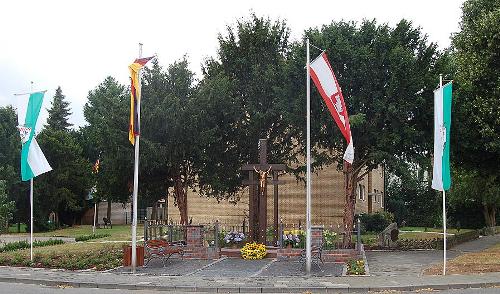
{"points": [[376, 222], [90, 237], [410, 244], [25, 244]]}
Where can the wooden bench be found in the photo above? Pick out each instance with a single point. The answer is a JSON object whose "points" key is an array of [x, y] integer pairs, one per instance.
{"points": [[162, 250], [316, 255]]}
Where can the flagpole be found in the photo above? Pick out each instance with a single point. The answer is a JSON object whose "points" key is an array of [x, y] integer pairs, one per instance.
{"points": [[444, 207], [31, 219], [136, 177], [308, 197], [31, 205]]}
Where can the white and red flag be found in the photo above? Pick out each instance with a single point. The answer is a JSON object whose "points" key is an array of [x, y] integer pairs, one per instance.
{"points": [[326, 82]]}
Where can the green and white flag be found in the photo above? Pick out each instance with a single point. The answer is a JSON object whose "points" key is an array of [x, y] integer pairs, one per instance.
{"points": [[33, 162], [441, 179]]}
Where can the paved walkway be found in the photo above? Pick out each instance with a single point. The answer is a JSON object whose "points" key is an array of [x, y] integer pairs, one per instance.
{"points": [[90, 279], [412, 263]]}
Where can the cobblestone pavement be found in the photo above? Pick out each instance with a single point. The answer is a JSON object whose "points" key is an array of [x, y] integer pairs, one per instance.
{"points": [[234, 268]]}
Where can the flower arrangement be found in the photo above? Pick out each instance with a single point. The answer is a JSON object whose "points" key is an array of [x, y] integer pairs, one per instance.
{"points": [[356, 267], [329, 238], [291, 240], [294, 238], [253, 251], [234, 238]]}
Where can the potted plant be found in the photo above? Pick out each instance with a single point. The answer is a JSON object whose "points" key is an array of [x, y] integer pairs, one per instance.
{"points": [[289, 240], [234, 239]]}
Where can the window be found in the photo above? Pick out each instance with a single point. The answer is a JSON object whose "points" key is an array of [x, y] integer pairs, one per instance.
{"points": [[382, 199], [361, 192]]}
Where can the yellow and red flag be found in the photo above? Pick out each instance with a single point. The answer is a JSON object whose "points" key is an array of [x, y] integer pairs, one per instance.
{"points": [[135, 96]]}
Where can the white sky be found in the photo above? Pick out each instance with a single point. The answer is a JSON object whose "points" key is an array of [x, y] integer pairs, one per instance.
{"points": [[76, 44]]}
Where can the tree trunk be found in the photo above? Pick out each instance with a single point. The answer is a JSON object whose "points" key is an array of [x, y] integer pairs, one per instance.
{"points": [[181, 197], [489, 211], [348, 220]]}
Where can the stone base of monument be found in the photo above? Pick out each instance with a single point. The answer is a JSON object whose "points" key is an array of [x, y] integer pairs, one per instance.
{"points": [[389, 236]]}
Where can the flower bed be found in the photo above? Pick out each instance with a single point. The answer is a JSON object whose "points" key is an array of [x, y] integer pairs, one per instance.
{"points": [[68, 256], [253, 251], [356, 267]]}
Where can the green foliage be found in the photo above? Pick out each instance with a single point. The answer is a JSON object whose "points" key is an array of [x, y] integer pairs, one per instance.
{"points": [[476, 121], [246, 97], [100, 258], [10, 144], [169, 136], [59, 112], [91, 237], [6, 208], [376, 222], [13, 246], [390, 104], [107, 112], [472, 190], [412, 244], [411, 199], [63, 189]]}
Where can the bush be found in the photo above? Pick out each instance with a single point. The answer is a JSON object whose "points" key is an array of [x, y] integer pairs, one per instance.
{"points": [[376, 222], [410, 244], [90, 237], [25, 244]]}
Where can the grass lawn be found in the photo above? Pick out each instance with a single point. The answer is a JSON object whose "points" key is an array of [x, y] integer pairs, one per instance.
{"points": [[431, 233], [478, 262], [414, 233], [118, 232]]}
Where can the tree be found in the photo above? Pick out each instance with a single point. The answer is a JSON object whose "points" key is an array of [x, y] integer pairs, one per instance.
{"points": [[473, 188], [63, 189], [6, 208], [10, 173], [107, 112], [387, 76], [410, 197], [169, 141], [59, 112], [476, 122], [245, 97]]}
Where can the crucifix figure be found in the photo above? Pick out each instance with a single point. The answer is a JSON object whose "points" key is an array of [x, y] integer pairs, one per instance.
{"points": [[257, 204], [262, 178]]}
